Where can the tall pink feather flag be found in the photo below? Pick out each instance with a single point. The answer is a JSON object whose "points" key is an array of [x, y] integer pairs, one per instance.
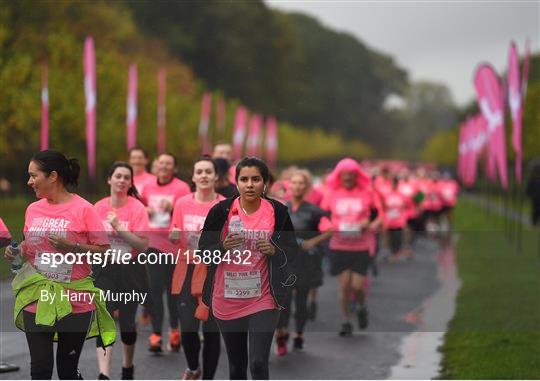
{"points": [[90, 96], [254, 136], [516, 106], [44, 144], [477, 142], [204, 123], [131, 106], [271, 142], [491, 103], [161, 111], [239, 133]]}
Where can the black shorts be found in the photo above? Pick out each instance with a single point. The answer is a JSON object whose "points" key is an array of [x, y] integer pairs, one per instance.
{"points": [[395, 237], [357, 261], [446, 209]]}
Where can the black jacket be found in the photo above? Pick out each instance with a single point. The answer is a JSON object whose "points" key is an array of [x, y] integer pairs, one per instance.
{"points": [[283, 239]]}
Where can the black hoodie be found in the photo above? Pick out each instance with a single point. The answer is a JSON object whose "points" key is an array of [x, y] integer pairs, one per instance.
{"points": [[283, 239]]}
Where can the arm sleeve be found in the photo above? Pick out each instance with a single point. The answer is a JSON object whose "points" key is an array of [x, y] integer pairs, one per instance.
{"points": [[94, 226]]}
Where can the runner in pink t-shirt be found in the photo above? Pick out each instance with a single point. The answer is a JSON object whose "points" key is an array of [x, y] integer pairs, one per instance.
{"points": [[396, 212], [252, 239], [138, 159], [188, 218], [160, 198], [355, 215], [5, 236], [125, 219], [60, 222], [448, 191]]}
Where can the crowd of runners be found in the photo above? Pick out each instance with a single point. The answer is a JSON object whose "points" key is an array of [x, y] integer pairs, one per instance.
{"points": [[247, 248]]}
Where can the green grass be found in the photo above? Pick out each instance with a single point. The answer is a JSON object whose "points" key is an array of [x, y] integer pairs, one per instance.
{"points": [[495, 333]]}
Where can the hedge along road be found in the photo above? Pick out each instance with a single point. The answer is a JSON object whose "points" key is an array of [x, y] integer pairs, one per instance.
{"points": [[396, 298]]}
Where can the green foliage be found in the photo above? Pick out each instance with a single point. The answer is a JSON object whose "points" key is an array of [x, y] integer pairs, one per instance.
{"points": [[441, 148], [34, 32], [285, 64]]}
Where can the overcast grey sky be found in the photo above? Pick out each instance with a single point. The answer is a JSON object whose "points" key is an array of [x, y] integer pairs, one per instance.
{"points": [[433, 40]]}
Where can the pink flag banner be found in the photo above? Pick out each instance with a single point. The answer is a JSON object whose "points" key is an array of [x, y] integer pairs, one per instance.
{"points": [[491, 102], [44, 108], [477, 140], [271, 142], [204, 136], [90, 96], [161, 111], [516, 106], [131, 108], [220, 117], [254, 136], [239, 132]]}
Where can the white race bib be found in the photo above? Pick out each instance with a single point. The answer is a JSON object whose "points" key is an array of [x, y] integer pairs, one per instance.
{"points": [[160, 220], [242, 284], [193, 240], [350, 229], [393, 213], [60, 273]]}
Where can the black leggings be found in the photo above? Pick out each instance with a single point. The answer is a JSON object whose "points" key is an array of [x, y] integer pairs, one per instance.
{"points": [[191, 342], [160, 279], [111, 280], [300, 307], [72, 331], [258, 329]]}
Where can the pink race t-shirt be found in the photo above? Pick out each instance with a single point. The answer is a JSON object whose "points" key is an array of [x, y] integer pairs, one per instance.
{"points": [[132, 217], [188, 217], [432, 200], [315, 196], [408, 190], [396, 207], [228, 302], [4, 232], [382, 185], [142, 179], [348, 209], [155, 196], [75, 220], [448, 190]]}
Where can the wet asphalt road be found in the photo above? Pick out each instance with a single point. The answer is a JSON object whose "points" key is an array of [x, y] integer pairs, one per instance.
{"points": [[398, 290]]}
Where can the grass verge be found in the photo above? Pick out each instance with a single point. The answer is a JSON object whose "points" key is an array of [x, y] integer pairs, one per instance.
{"points": [[495, 333]]}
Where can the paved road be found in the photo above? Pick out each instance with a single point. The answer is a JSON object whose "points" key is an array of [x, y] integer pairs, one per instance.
{"points": [[399, 290]]}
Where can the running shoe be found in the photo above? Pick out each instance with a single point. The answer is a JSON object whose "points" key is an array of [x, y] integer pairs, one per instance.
{"points": [[312, 310], [362, 315], [174, 340], [346, 329], [127, 373], [191, 375], [155, 343], [281, 345], [298, 343], [144, 317]]}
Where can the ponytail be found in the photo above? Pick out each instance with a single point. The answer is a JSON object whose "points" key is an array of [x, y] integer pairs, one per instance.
{"points": [[68, 170]]}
